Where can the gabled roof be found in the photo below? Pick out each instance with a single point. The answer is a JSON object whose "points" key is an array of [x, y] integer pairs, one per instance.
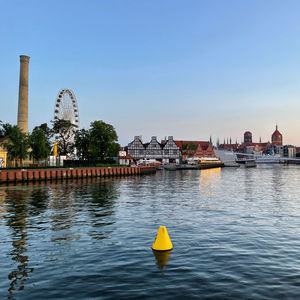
{"points": [[276, 133], [128, 156]]}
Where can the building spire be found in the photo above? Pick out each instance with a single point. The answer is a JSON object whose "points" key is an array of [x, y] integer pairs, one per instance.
{"points": [[276, 127]]}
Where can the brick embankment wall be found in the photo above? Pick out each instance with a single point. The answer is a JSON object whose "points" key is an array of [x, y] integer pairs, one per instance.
{"points": [[58, 174]]}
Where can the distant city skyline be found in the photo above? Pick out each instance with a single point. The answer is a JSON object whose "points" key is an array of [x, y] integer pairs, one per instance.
{"points": [[188, 69]]}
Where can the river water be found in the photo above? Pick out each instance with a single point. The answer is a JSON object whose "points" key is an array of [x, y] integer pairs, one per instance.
{"points": [[235, 232]]}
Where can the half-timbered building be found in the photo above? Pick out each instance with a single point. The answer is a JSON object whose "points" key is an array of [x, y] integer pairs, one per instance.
{"points": [[166, 152]]}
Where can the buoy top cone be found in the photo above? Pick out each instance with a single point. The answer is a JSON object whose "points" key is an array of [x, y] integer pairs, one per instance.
{"points": [[162, 241]]}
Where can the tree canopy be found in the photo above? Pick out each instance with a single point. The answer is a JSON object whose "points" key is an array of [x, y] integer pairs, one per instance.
{"points": [[98, 142], [82, 143], [103, 140], [18, 144], [64, 132], [39, 143]]}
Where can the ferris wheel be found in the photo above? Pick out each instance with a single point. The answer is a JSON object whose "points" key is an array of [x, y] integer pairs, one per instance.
{"points": [[66, 107]]}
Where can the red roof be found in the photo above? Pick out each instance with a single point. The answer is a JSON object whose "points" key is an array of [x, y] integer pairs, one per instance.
{"points": [[203, 149], [276, 133], [126, 157]]}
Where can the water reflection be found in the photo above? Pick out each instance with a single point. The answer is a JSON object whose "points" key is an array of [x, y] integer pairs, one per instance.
{"points": [[249, 182], [209, 180], [3, 204], [277, 181], [17, 218], [69, 225], [39, 200], [161, 258], [101, 207], [66, 205]]}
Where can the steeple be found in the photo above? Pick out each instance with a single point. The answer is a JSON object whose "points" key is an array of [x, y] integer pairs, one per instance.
{"points": [[276, 137]]}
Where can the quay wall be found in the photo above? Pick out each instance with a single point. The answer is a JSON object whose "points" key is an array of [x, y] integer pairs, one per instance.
{"points": [[63, 173]]}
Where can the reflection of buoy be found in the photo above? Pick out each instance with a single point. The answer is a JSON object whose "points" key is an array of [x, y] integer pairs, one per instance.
{"points": [[162, 241], [162, 258]]}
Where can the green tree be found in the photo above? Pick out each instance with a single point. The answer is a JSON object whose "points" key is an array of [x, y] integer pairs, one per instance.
{"points": [[39, 143], [192, 146], [48, 133], [82, 143], [103, 138], [64, 132], [113, 150], [18, 145], [5, 129]]}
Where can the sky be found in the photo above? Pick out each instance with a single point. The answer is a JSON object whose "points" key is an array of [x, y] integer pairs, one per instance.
{"points": [[190, 69]]}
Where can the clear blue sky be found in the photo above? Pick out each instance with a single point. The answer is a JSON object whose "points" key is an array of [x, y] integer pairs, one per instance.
{"points": [[190, 69]]}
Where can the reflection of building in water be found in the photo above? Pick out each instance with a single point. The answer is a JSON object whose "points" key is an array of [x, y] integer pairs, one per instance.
{"points": [[209, 180], [209, 177], [17, 221]]}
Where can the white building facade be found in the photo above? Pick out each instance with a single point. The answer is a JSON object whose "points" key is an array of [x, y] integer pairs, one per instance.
{"points": [[166, 152]]}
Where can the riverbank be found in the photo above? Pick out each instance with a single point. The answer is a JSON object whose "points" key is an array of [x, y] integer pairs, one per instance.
{"points": [[201, 166], [62, 173]]}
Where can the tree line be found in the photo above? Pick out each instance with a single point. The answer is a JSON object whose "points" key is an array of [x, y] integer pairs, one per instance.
{"points": [[99, 142]]}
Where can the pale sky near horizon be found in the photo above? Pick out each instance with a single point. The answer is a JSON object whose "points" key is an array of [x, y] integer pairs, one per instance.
{"points": [[190, 69]]}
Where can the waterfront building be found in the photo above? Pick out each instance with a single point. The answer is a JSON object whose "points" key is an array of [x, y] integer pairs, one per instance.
{"points": [[248, 146], [136, 148], [125, 159], [154, 150], [289, 151], [171, 151], [195, 149], [275, 150], [166, 151]]}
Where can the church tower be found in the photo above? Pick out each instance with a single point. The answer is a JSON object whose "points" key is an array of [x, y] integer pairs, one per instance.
{"points": [[276, 137]]}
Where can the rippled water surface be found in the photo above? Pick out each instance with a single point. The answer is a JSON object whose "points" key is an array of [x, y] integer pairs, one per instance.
{"points": [[236, 235]]}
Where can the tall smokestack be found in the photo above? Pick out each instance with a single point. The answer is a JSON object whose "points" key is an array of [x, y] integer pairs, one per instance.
{"points": [[23, 94]]}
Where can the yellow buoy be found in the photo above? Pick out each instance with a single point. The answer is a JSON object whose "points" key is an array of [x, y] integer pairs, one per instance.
{"points": [[162, 241]]}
